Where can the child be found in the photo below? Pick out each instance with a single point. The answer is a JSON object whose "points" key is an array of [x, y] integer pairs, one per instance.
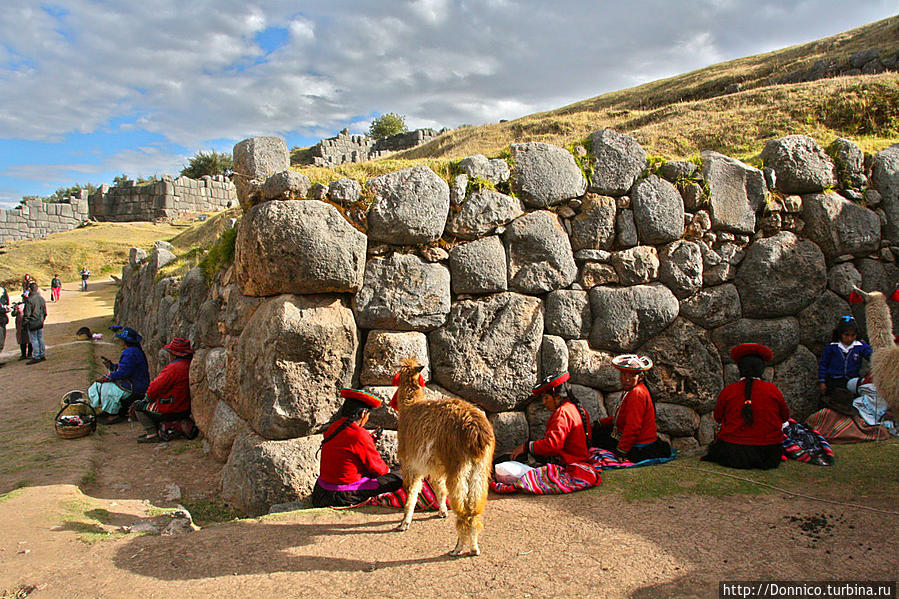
{"points": [[842, 358]]}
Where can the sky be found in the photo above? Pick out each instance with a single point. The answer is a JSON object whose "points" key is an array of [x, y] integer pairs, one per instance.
{"points": [[90, 89]]}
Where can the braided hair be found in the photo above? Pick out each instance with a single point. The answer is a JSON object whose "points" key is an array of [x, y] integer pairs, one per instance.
{"points": [[751, 367], [563, 392]]}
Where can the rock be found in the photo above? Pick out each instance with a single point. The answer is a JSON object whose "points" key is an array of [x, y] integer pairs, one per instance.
{"points": [[479, 266], [800, 164], [780, 276], [481, 213], [797, 379], [686, 367], [159, 257], [842, 278], [593, 274], [694, 196], [434, 254], [592, 368], [568, 314], [403, 293], [261, 473], [298, 247], [496, 171], [817, 322], [290, 506], [510, 430], [553, 356], [387, 445], [736, 192], [488, 350], [458, 189], [707, 429], [255, 160], [592, 255], [344, 191], [590, 399], [594, 227], [540, 258], [877, 276], [207, 324], [781, 335], [385, 352], [202, 402], [545, 175], [637, 265], [713, 306], [537, 417], [292, 359], [409, 207], [163, 245], [624, 318], [676, 420], [619, 161], [849, 162], [658, 211], [626, 229], [885, 178], [685, 446], [136, 256], [286, 185], [613, 401], [319, 191], [178, 526], [680, 268], [172, 492], [222, 431], [675, 170], [840, 227], [871, 197]]}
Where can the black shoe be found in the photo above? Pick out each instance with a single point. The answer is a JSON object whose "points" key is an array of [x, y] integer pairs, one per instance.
{"points": [[34, 361], [23, 357], [114, 419]]}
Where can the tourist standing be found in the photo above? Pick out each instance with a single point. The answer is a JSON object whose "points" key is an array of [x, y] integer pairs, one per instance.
{"points": [[55, 288], [4, 319], [85, 275], [35, 314]]}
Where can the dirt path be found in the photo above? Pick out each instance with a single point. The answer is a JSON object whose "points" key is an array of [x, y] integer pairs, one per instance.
{"points": [[60, 524]]}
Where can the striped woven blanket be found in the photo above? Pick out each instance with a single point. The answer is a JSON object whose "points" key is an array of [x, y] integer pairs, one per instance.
{"points": [[806, 445], [427, 501], [838, 428]]}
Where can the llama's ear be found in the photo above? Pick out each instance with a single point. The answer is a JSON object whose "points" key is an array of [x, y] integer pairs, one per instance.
{"points": [[396, 380], [418, 368], [894, 297], [855, 298]]}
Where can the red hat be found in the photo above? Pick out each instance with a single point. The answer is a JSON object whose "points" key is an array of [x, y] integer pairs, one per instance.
{"points": [[751, 349], [364, 396], [179, 346], [550, 383], [632, 363]]}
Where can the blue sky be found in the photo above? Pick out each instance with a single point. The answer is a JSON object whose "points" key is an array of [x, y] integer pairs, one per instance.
{"points": [[90, 89]]}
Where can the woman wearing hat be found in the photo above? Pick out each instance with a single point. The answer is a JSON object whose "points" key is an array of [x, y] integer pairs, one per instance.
{"points": [[567, 431], [168, 396], [351, 468], [751, 413], [631, 433], [125, 379]]}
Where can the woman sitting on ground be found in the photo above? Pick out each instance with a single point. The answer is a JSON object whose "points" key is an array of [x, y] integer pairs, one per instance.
{"points": [[568, 430], [631, 432], [168, 396], [351, 468], [751, 413], [124, 381]]}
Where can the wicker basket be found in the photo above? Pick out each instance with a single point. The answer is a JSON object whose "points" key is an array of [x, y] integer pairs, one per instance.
{"points": [[73, 403]]}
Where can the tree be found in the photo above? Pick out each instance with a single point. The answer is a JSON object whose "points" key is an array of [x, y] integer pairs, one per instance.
{"points": [[208, 163], [66, 192], [387, 125], [120, 179]]}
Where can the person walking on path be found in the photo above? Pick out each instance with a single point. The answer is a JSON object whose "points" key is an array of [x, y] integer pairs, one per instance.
{"points": [[21, 331], [55, 288], [35, 314], [85, 275], [4, 319]]}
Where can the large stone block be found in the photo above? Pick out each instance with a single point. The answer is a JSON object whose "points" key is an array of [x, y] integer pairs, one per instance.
{"points": [[658, 210], [797, 379], [736, 192], [553, 356], [619, 161], [637, 265], [680, 268], [482, 212], [568, 314], [839, 226], [286, 185], [676, 420], [479, 266], [384, 354], [489, 350], [818, 320], [255, 160], [545, 175], [800, 164], [885, 177], [409, 207], [713, 306], [298, 247], [594, 227], [625, 317], [496, 170], [510, 430], [540, 257], [781, 335], [223, 430], [404, 293]]}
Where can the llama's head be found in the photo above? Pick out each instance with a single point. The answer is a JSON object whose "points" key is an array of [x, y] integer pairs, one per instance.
{"points": [[877, 315], [410, 373], [869, 297]]}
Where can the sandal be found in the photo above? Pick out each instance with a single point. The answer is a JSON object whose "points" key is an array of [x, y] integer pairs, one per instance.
{"points": [[153, 439]]}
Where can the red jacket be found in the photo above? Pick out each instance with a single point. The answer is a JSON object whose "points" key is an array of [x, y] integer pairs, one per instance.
{"points": [[565, 436], [635, 419], [350, 455], [173, 382], [769, 412]]}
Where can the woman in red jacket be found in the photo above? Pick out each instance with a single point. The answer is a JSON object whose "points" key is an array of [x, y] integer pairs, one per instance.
{"points": [[631, 433], [351, 468], [168, 396], [568, 430], [751, 413]]}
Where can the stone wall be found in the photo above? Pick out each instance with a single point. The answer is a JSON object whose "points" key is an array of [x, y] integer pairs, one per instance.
{"points": [[346, 148], [36, 218], [161, 199], [494, 288]]}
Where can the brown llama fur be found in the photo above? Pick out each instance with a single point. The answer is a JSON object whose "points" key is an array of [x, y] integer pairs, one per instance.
{"points": [[885, 358], [451, 442]]}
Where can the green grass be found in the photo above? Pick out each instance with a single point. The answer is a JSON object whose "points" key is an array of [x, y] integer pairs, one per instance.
{"points": [[81, 516], [209, 244], [204, 510], [11, 494]]}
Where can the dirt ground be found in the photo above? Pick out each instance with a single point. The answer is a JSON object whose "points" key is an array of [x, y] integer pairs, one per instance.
{"points": [[66, 499]]}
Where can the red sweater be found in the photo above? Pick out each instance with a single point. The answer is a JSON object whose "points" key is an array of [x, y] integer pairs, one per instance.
{"points": [[350, 455], [769, 412], [565, 436], [173, 382], [635, 419]]}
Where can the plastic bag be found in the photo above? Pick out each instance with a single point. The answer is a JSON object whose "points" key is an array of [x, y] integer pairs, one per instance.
{"points": [[509, 472]]}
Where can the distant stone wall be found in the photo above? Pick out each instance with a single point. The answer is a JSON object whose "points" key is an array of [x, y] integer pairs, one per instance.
{"points": [[36, 218], [346, 148], [162, 199]]}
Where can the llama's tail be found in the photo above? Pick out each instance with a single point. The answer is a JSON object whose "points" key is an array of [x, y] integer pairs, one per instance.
{"points": [[469, 497]]}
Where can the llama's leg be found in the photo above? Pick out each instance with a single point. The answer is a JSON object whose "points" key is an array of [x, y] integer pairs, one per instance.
{"points": [[412, 492], [477, 501], [440, 492], [458, 491]]}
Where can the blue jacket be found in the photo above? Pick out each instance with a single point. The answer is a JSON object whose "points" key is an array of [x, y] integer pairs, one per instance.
{"points": [[838, 365], [132, 370]]}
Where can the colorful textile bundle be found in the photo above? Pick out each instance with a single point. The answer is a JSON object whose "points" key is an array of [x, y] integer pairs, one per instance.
{"points": [[806, 445], [397, 499], [606, 459], [552, 480], [839, 428]]}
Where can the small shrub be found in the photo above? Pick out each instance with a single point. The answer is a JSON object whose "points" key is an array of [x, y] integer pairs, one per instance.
{"points": [[387, 125], [210, 163], [220, 255]]}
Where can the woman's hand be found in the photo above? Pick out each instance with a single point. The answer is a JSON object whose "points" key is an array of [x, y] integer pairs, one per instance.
{"points": [[822, 388], [518, 451]]}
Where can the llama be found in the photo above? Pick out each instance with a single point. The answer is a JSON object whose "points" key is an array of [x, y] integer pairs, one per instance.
{"points": [[885, 359], [451, 442]]}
